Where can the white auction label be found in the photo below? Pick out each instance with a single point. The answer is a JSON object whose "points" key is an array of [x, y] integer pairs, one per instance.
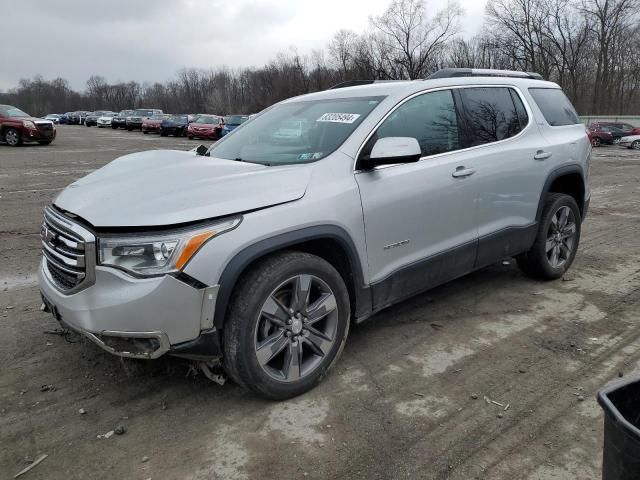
{"points": [[339, 117]]}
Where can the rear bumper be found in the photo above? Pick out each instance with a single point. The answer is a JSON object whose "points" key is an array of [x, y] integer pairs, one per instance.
{"points": [[138, 318]]}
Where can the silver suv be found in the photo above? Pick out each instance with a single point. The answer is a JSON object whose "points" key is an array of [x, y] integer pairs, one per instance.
{"points": [[256, 256]]}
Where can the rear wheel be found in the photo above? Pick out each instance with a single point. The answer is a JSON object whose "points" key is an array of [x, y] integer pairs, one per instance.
{"points": [[287, 325], [557, 239], [13, 137]]}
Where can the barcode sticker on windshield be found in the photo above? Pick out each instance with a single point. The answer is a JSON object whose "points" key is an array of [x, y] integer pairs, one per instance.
{"points": [[339, 117]]}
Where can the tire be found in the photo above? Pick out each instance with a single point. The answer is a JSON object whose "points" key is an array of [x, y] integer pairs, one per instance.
{"points": [[45, 142], [556, 244], [190, 137], [163, 133], [13, 137], [595, 141], [145, 132], [129, 129], [114, 127], [636, 145], [276, 376]]}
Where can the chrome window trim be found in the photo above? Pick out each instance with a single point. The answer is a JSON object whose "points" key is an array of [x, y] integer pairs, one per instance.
{"points": [[437, 155]]}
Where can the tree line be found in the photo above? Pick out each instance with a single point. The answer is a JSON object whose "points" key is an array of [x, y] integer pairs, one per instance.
{"points": [[590, 47]]}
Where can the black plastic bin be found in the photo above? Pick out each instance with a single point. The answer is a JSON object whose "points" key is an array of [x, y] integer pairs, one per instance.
{"points": [[621, 404]]}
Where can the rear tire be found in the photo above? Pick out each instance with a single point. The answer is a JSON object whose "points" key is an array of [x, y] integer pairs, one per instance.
{"points": [[557, 240], [287, 324], [13, 137]]}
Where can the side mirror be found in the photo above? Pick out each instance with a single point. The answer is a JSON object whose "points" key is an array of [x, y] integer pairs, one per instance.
{"points": [[201, 150], [392, 150]]}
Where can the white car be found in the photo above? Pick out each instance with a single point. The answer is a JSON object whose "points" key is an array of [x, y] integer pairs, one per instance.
{"points": [[104, 121], [632, 141]]}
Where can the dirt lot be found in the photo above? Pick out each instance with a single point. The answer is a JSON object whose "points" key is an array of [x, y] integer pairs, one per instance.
{"points": [[398, 405]]}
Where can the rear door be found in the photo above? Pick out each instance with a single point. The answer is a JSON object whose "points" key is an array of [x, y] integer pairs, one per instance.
{"points": [[502, 138]]}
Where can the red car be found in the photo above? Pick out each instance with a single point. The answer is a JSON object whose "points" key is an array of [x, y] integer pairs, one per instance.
{"points": [[152, 124], [206, 126], [598, 136], [17, 127]]}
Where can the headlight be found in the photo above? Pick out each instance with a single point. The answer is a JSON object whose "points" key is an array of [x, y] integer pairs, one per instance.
{"points": [[148, 255], [28, 124]]}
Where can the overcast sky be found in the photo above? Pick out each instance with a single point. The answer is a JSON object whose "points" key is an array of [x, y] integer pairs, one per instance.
{"points": [[149, 40]]}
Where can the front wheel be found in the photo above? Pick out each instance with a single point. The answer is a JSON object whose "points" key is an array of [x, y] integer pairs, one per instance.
{"points": [[636, 145], [595, 141], [287, 325], [557, 239], [13, 137]]}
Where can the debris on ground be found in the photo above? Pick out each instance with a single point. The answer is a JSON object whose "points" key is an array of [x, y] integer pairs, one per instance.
{"points": [[419, 394], [435, 326], [120, 430], [145, 459], [474, 396], [82, 411], [106, 435], [57, 331], [47, 388], [34, 464]]}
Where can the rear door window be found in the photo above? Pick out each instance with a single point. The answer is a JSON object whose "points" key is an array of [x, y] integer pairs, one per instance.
{"points": [[491, 114], [555, 106]]}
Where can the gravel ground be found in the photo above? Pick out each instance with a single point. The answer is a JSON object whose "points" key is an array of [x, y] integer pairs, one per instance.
{"points": [[407, 400]]}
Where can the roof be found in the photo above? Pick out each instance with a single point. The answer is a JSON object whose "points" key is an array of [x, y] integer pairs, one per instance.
{"points": [[402, 88]]}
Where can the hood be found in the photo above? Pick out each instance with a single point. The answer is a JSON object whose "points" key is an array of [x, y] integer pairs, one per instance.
{"points": [[167, 187]]}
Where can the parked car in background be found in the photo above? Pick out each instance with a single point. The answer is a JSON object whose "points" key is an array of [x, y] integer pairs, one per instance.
{"points": [[598, 136], [231, 122], [631, 141], [120, 119], [259, 258], [175, 125], [134, 121], [53, 117], [105, 120], [65, 118], [78, 118], [205, 126], [92, 118], [626, 128], [152, 124], [17, 127]]}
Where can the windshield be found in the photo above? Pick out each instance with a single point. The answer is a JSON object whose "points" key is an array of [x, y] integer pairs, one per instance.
{"points": [[235, 119], [12, 112], [142, 113], [178, 118], [126, 113], [298, 132], [207, 119]]}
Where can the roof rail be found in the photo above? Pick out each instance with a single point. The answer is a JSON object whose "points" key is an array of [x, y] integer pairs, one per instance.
{"points": [[482, 72], [355, 83]]}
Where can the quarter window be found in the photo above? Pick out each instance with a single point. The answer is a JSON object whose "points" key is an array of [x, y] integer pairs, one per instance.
{"points": [[490, 115], [429, 118], [555, 106]]}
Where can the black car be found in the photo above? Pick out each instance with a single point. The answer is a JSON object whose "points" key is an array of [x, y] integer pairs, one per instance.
{"points": [[92, 118], [120, 120], [175, 125], [77, 118]]}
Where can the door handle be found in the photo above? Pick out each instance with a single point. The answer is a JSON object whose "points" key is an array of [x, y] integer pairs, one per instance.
{"points": [[542, 155], [463, 172]]}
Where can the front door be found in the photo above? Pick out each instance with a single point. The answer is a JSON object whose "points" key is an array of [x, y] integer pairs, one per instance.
{"points": [[420, 218]]}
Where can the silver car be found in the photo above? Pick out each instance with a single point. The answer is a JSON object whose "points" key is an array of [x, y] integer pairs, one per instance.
{"points": [[255, 256]]}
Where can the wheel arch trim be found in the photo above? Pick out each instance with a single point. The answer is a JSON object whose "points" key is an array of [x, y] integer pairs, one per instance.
{"points": [[239, 263], [574, 168]]}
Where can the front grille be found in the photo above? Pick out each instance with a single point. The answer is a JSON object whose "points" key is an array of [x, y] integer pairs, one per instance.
{"points": [[45, 126], [69, 251]]}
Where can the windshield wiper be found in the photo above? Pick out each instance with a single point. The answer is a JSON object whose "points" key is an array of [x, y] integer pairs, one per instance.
{"points": [[238, 159]]}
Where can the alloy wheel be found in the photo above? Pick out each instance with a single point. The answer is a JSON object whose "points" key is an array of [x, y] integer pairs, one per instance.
{"points": [[636, 145], [296, 328], [561, 237]]}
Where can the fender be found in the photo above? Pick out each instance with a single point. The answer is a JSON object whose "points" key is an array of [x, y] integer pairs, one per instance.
{"points": [[555, 174], [239, 263]]}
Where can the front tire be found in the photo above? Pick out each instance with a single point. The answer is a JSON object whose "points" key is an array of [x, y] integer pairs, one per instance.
{"points": [[288, 322], [595, 141], [557, 239], [13, 137], [636, 145]]}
